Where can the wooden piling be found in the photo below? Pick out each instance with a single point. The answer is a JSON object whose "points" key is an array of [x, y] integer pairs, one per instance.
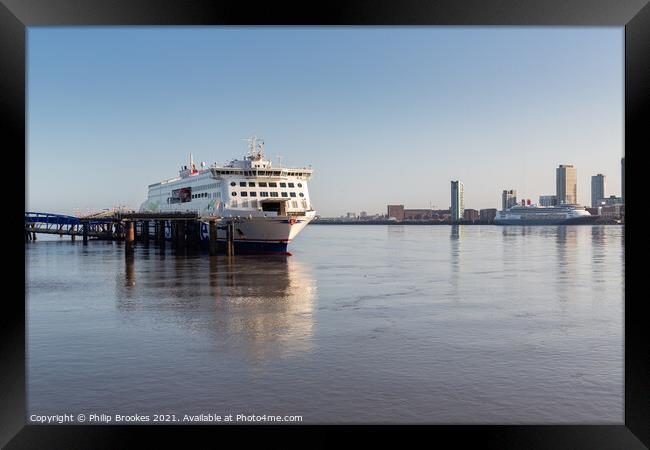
{"points": [[197, 234], [145, 232], [161, 232], [130, 238], [72, 231], [213, 237], [85, 233], [33, 232], [230, 239], [174, 226]]}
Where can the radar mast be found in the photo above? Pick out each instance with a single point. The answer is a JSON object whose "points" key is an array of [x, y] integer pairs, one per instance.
{"points": [[255, 148]]}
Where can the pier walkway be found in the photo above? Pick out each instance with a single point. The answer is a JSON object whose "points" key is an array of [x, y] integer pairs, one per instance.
{"points": [[181, 228]]}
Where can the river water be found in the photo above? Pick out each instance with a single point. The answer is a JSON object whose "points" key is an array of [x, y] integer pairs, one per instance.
{"points": [[363, 324]]}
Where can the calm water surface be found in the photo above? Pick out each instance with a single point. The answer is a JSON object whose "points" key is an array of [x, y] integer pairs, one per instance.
{"points": [[363, 324]]}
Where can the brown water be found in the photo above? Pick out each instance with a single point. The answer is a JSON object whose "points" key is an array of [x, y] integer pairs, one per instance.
{"points": [[363, 324]]}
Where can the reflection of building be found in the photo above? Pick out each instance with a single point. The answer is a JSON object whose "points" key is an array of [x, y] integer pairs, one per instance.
{"points": [[508, 199], [566, 184], [471, 214], [457, 200], [396, 211], [488, 214], [547, 200], [597, 189]]}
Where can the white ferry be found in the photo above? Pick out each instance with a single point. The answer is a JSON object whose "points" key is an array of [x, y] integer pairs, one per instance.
{"points": [[544, 215], [270, 205]]}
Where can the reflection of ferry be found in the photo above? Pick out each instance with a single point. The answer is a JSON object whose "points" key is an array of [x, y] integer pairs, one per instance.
{"points": [[544, 215], [271, 203], [263, 305]]}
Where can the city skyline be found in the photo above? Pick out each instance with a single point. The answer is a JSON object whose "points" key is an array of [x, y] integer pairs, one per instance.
{"points": [[384, 115]]}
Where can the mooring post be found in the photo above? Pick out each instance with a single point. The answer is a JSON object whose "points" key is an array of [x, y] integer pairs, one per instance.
{"points": [[145, 232], [187, 235], [230, 238], [162, 230], [197, 234], [174, 227], [130, 238], [213, 237], [85, 232]]}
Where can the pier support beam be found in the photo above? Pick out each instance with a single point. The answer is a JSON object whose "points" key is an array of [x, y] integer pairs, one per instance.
{"points": [[72, 231], [130, 238], [85, 232], [213, 238]]}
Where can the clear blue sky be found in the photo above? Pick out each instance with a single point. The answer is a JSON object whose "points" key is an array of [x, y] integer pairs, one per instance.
{"points": [[383, 114]]}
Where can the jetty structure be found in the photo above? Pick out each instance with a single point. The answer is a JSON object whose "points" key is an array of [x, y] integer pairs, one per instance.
{"points": [[181, 229]]}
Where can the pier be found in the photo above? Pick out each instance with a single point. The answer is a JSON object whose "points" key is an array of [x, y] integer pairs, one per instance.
{"points": [[131, 227]]}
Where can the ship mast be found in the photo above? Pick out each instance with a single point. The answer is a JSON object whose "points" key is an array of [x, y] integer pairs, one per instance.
{"points": [[255, 148]]}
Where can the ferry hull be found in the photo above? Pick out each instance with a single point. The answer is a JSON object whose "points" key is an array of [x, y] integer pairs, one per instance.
{"points": [[255, 235]]}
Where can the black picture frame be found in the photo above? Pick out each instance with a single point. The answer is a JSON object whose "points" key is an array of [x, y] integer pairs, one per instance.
{"points": [[634, 15]]}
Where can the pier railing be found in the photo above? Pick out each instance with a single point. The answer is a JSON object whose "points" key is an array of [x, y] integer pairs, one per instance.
{"points": [[183, 229]]}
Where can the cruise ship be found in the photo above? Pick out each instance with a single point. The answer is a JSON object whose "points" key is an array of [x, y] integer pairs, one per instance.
{"points": [[270, 205], [544, 215]]}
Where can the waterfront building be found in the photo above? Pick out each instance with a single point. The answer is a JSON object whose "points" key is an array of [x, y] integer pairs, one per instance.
{"points": [[471, 214], [457, 200], [363, 214], [547, 200], [488, 214], [623, 178], [396, 211], [418, 214], [611, 201], [508, 199], [614, 211], [566, 183], [597, 189]]}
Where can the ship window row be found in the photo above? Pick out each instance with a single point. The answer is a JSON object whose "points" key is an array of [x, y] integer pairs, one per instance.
{"points": [[206, 186], [254, 204], [266, 194], [193, 196], [264, 184], [198, 188], [258, 173]]}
